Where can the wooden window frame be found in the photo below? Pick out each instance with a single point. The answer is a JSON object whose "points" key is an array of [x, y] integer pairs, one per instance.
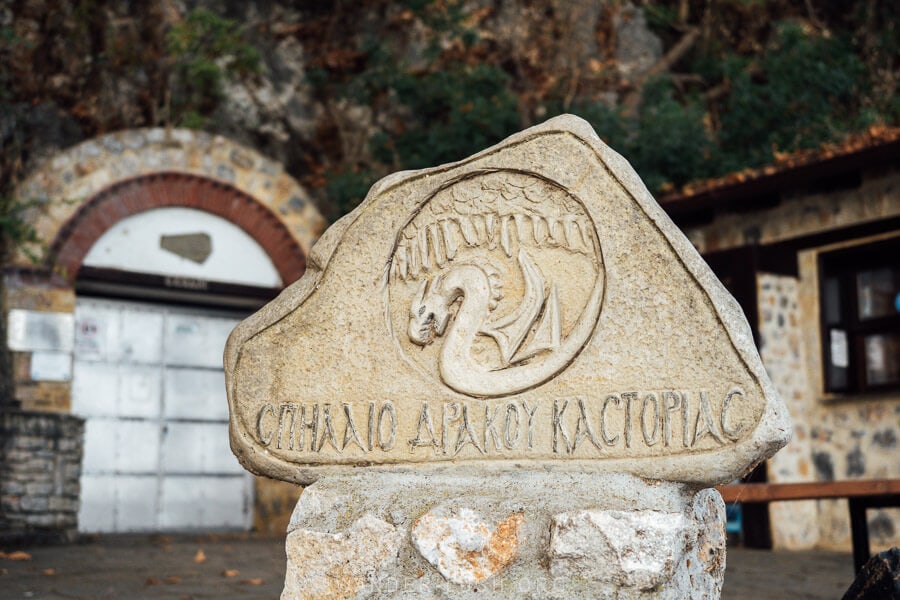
{"points": [[845, 265]]}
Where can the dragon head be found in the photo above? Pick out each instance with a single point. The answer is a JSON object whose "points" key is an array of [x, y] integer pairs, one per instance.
{"points": [[429, 313]]}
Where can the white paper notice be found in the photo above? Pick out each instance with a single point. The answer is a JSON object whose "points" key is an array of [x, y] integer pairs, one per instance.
{"points": [[51, 366], [839, 353], [33, 331]]}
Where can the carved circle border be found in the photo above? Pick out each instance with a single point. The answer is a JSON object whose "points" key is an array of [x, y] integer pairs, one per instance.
{"points": [[450, 183]]}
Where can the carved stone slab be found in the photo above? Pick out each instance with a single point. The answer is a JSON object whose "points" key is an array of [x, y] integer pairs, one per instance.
{"points": [[529, 307]]}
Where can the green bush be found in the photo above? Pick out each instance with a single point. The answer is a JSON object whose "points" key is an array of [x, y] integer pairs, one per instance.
{"points": [[733, 111], [804, 93], [666, 141], [346, 189], [204, 49], [453, 113], [672, 144]]}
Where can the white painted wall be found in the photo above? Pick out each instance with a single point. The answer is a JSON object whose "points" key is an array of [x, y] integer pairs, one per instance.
{"points": [[133, 244]]}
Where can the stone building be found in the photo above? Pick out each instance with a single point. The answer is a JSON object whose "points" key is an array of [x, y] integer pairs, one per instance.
{"points": [[812, 253], [157, 243]]}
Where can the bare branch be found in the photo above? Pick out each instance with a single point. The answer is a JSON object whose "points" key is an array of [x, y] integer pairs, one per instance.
{"points": [[813, 18], [675, 53]]}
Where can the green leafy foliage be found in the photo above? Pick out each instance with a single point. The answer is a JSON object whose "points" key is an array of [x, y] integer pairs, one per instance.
{"points": [[453, 113], [16, 229], [806, 92], [442, 110], [803, 91], [666, 141], [448, 114], [204, 49], [348, 188], [672, 145]]}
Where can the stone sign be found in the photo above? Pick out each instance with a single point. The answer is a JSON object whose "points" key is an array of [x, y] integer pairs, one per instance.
{"points": [[508, 377], [529, 307]]}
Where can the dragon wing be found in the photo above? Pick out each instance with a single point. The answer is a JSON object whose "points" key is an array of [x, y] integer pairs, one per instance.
{"points": [[511, 330], [548, 334]]}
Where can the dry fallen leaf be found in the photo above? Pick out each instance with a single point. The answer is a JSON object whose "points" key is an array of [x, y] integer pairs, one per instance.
{"points": [[254, 581], [49, 571], [17, 555], [230, 573], [200, 557], [172, 579]]}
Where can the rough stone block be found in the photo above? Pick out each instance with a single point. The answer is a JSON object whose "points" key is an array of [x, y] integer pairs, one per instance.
{"points": [[39, 488], [11, 487], [463, 547], [638, 549], [64, 505], [42, 520], [34, 503], [10, 503], [344, 565]]}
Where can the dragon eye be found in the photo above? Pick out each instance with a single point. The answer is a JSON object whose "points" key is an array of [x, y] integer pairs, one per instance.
{"points": [[421, 310]]}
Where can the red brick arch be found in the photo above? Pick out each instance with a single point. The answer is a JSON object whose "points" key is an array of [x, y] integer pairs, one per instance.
{"points": [[157, 190]]}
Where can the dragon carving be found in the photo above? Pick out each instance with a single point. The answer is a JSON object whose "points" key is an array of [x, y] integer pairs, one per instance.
{"points": [[444, 266], [537, 315]]}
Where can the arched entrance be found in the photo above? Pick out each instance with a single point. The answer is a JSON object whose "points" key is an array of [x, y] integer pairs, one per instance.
{"points": [[157, 294], [163, 241]]}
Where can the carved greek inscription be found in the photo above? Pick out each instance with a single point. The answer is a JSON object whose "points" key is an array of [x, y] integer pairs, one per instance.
{"points": [[265, 438], [617, 424], [286, 426], [653, 414], [461, 425]]}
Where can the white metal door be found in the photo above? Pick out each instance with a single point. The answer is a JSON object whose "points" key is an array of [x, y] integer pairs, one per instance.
{"points": [[148, 379]]}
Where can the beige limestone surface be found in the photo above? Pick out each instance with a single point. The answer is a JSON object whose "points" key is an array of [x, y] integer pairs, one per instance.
{"points": [[530, 307]]}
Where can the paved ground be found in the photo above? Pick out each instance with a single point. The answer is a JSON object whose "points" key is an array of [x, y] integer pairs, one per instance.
{"points": [[247, 566]]}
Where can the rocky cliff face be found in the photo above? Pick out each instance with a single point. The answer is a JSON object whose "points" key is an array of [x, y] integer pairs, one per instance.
{"points": [[73, 70], [342, 93]]}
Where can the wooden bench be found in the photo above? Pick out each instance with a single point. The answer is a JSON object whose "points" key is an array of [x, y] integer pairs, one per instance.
{"points": [[861, 495]]}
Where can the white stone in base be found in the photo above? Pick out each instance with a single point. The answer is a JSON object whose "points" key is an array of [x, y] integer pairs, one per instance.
{"points": [[632, 549], [672, 555], [463, 547]]}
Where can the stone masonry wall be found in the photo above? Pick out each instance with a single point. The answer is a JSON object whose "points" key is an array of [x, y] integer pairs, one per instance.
{"points": [[40, 466], [851, 437], [794, 524], [63, 183], [835, 438]]}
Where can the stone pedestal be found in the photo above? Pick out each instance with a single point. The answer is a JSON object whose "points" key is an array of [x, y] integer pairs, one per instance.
{"points": [[405, 534]]}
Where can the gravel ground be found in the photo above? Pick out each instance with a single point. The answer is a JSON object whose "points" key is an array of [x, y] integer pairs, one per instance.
{"points": [[188, 567]]}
